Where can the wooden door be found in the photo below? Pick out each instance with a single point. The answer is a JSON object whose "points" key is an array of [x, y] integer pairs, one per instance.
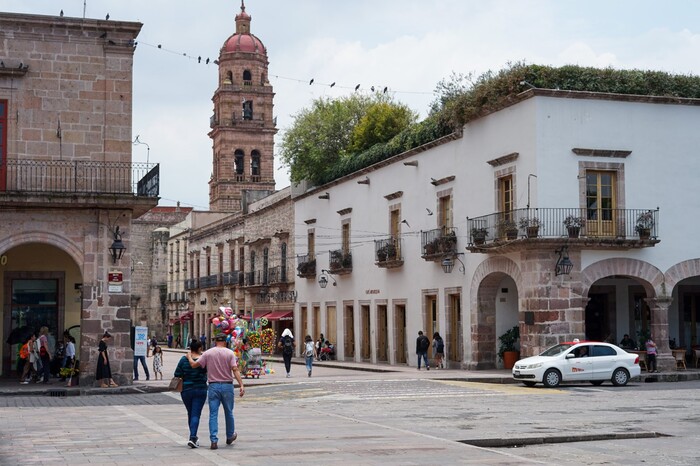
{"points": [[365, 345], [455, 345], [382, 340], [601, 209], [3, 144], [400, 334], [349, 333], [331, 325]]}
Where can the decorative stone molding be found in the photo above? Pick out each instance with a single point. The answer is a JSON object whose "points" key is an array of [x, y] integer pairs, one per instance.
{"points": [[345, 211], [497, 162], [444, 180], [310, 221], [601, 152], [392, 196], [648, 275]]}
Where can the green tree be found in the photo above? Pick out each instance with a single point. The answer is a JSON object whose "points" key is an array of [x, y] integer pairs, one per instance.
{"points": [[330, 131]]}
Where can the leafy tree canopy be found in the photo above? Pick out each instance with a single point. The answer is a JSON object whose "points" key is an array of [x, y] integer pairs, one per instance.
{"points": [[333, 130]]}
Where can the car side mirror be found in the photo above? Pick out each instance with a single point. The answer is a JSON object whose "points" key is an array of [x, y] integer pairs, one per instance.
{"points": [[570, 356]]}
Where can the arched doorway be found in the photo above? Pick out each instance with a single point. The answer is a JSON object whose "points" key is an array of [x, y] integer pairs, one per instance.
{"points": [[40, 286], [495, 306]]}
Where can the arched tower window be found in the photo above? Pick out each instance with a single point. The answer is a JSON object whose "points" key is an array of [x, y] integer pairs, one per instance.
{"points": [[247, 109], [255, 163], [262, 79], [247, 78], [229, 77], [239, 160]]}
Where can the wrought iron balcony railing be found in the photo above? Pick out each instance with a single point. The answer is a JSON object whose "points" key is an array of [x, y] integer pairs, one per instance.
{"points": [[388, 252], [340, 261], [191, 284], [306, 266], [81, 177], [618, 224], [210, 281], [438, 243], [277, 274]]}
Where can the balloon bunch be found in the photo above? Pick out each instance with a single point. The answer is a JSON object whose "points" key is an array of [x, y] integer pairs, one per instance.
{"points": [[230, 324]]}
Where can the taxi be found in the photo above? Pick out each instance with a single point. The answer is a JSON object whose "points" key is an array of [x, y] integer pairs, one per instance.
{"points": [[578, 361]]}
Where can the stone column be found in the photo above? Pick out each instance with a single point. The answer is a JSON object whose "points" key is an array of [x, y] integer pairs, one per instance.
{"points": [[659, 332]]}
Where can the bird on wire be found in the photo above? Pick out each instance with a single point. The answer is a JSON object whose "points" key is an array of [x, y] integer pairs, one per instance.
{"points": [[107, 17], [357, 87], [311, 82]]}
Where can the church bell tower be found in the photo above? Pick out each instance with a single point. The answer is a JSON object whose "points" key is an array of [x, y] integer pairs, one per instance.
{"points": [[242, 127]]}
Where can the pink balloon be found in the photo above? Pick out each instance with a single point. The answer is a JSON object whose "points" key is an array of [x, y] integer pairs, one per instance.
{"points": [[216, 321], [224, 324], [228, 311]]}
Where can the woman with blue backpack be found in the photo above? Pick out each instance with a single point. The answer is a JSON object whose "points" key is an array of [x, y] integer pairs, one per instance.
{"points": [[438, 350]]}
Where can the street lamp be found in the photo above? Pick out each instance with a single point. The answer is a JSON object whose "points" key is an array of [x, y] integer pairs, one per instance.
{"points": [[117, 248], [448, 263], [323, 279], [564, 264]]}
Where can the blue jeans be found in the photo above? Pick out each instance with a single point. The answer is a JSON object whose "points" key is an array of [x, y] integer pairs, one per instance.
{"points": [[309, 363], [423, 355], [194, 399], [136, 367], [220, 394]]}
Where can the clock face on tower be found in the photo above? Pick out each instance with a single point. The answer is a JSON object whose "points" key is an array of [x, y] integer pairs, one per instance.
{"points": [[243, 126]]}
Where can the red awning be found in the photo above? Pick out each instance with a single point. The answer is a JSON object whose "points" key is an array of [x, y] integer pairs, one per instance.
{"points": [[281, 315], [257, 315], [186, 316]]}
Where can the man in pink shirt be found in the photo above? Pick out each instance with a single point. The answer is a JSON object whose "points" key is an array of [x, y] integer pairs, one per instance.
{"points": [[221, 366]]}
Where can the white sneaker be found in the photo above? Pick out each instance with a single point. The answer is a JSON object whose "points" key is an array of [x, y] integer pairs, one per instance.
{"points": [[24, 382], [288, 375], [193, 443]]}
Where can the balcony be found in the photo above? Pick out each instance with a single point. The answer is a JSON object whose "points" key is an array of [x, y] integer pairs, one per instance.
{"points": [[438, 243], [82, 182], [387, 253], [210, 281], [306, 266], [191, 284], [340, 262], [277, 275], [588, 228], [230, 278]]}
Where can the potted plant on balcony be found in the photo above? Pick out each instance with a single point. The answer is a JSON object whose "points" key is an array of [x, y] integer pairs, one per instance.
{"points": [[531, 225], [479, 235], [645, 222], [573, 225], [447, 243], [507, 349], [507, 228]]}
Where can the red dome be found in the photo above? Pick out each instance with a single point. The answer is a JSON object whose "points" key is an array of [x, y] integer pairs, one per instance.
{"points": [[244, 43]]}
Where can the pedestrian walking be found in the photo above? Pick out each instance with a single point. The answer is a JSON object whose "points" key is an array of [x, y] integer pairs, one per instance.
{"points": [[203, 341], [221, 365], [158, 362], [103, 373], [422, 345], [45, 353], [170, 340], [309, 353], [438, 350], [286, 344], [194, 390], [25, 366]]}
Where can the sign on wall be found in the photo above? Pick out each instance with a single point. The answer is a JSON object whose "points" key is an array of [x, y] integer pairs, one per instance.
{"points": [[114, 279], [140, 341]]}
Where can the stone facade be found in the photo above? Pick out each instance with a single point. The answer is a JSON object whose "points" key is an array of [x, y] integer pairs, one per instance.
{"points": [[66, 180]]}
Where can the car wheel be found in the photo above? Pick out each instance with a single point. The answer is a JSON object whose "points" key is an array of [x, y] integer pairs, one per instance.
{"points": [[552, 378], [529, 383], [597, 382], [620, 377]]}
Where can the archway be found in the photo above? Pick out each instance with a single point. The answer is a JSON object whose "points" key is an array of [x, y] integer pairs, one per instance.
{"points": [[40, 285], [494, 308], [683, 279], [618, 292]]}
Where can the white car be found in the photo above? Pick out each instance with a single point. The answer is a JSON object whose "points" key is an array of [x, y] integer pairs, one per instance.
{"points": [[578, 361]]}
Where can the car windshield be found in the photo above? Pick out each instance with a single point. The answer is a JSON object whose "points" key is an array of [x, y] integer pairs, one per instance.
{"points": [[557, 349]]}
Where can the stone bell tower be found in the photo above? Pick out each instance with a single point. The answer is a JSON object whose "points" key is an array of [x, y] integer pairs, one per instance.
{"points": [[242, 127]]}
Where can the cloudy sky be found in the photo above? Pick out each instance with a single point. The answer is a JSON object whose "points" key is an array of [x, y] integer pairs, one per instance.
{"points": [[407, 45]]}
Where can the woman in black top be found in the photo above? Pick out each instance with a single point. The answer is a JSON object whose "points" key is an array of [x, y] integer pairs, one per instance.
{"points": [[194, 390], [104, 372]]}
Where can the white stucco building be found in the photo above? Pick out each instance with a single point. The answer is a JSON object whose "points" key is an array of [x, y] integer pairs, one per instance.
{"points": [[610, 160]]}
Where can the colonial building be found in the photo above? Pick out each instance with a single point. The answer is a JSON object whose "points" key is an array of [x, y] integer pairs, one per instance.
{"points": [[239, 254], [68, 187], [620, 168]]}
